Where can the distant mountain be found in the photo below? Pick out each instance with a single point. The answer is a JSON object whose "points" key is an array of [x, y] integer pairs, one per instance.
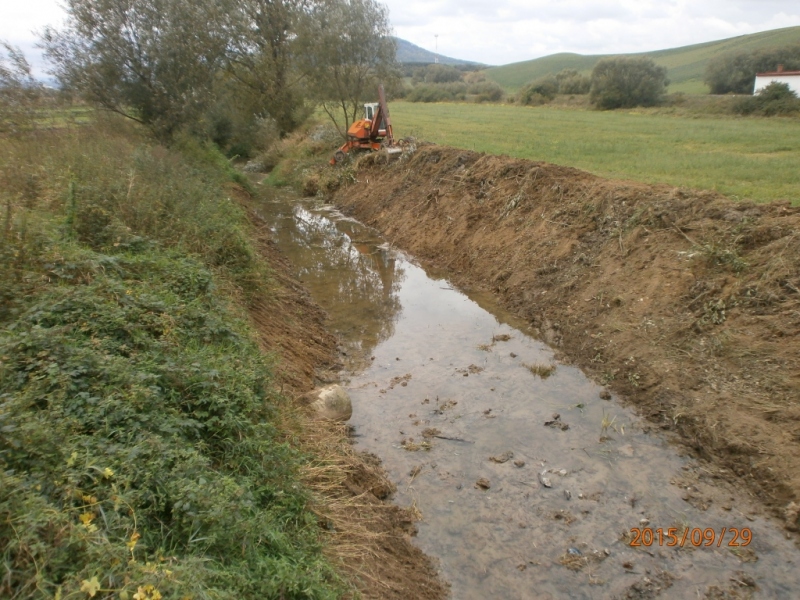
{"points": [[411, 53], [685, 65]]}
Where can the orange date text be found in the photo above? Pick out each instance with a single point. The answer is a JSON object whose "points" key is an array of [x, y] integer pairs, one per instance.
{"points": [[691, 536]]}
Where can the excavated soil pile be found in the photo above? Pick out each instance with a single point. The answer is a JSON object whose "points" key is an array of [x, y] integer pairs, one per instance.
{"points": [[684, 302]]}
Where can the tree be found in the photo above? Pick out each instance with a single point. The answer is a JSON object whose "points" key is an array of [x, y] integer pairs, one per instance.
{"points": [[153, 61], [260, 59], [347, 51], [735, 72], [626, 82], [19, 91]]}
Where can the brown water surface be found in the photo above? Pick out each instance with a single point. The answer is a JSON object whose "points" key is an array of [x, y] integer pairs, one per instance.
{"points": [[442, 382]]}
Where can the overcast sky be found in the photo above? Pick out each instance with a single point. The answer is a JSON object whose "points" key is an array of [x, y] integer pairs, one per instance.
{"points": [[504, 31]]}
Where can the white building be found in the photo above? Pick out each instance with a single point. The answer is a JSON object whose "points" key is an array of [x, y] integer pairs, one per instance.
{"points": [[791, 78]]}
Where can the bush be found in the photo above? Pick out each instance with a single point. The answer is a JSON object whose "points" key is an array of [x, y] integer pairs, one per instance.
{"points": [[573, 83], [448, 92], [774, 99], [540, 91], [627, 82], [441, 74], [486, 91]]}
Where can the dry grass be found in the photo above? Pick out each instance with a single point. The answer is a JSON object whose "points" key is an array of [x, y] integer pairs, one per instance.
{"points": [[543, 371]]}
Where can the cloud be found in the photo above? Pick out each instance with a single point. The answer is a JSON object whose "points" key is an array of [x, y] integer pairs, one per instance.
{"points": [[504, 31]]}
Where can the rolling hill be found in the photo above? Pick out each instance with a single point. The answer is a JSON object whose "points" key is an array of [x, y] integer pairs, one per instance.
{"points": [[685, 65], [411, 53]]}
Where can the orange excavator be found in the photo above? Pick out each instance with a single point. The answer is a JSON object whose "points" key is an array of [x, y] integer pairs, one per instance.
{"points": [[373, 132]]}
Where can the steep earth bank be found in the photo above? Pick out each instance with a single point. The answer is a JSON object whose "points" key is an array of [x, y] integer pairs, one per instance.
{"points": [[685, 303]]}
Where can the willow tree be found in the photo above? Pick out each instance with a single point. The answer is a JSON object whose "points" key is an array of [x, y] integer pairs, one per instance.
{"points": [[261, 59], [347, 51], [19, 90], [153, 61]]}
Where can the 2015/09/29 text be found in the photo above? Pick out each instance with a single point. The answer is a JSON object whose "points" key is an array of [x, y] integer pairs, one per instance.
{"points": [[693, 536]]}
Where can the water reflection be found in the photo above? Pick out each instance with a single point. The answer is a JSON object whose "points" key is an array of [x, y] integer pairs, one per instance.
{"points": [[448, 399], [351, 272]]}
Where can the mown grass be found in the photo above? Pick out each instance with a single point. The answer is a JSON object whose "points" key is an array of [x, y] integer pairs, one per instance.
{"points": [[744, 158], [140, 453], [685, 65]]}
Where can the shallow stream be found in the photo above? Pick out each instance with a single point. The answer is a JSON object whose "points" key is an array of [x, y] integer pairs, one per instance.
{"points": [[454, 396]]}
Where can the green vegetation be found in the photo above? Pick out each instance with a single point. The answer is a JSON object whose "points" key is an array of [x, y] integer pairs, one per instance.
{"points": [[140, 454], [742, 158], [445, 83], [219, 68], [735, 72], [627, 82], [685, 66], [775, 99]]}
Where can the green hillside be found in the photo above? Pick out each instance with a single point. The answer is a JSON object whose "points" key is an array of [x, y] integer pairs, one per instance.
{"points": [[686, 65]]}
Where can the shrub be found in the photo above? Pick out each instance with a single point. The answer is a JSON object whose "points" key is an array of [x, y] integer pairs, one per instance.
{"points": [[441, 74], [774, 99], [486, 91], [540, 91], [626, 82], [572, 82], [438, 93]]}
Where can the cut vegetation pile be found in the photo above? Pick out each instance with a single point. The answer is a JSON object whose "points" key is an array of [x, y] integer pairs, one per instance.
{"points": [[685, 302]]}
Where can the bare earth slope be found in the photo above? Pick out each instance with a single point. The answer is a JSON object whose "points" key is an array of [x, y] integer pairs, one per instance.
{"points": [[686, 303]]}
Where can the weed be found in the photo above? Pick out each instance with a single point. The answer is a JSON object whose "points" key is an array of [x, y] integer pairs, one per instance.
{"points": [[608, 377], [714, 311], [543, 371], [724, 257], [607, 424]]}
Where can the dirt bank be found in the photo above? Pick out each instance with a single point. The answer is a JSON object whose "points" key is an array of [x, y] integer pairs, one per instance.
{"points": [[367, 535], [685, 303]]}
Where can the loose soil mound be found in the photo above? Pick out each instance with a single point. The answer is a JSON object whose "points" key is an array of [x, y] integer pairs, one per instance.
{"points": [[367, 535], [684, 302]]}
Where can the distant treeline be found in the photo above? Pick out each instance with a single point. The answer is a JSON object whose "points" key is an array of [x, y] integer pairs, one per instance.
{"points": [[448, 83]]}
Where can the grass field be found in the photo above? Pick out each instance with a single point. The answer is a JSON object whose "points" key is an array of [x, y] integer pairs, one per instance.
{"points": [[685, 65], [744, 158]]}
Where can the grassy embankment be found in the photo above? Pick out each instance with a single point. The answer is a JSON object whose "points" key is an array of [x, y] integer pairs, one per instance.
{"points": [[685, 65], [140, 448], [753, 158]]}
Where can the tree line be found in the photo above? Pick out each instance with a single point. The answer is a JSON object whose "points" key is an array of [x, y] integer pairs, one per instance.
{"points": [[229, 69]]}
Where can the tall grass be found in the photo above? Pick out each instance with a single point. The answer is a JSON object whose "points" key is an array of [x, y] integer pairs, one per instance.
{"points": [[749, 158], [139, 452]]}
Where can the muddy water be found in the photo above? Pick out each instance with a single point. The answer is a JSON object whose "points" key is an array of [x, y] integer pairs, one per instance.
{"points": [[444, 392]]}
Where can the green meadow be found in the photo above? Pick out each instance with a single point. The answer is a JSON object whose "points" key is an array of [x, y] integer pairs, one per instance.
{"points": [[743, 158]]}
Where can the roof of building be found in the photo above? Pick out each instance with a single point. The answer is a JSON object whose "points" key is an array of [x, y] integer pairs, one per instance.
{"points": [[779, 73]]}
